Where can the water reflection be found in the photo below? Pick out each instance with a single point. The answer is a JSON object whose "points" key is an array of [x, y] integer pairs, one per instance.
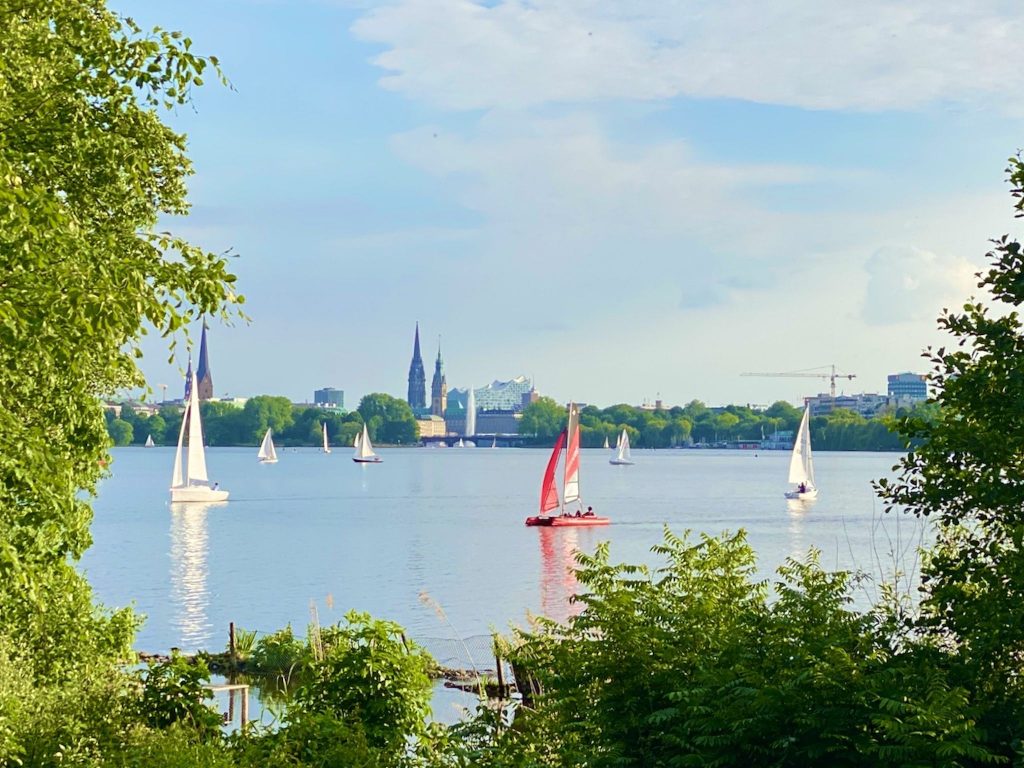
{"points": [[797, 543], [558, 576], [189, 596]]}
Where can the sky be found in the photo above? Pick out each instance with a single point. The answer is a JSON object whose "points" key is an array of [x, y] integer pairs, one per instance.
{"points": [[622, 200]]}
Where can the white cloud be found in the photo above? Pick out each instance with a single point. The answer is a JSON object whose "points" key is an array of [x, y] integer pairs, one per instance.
{"points": [[907, 284], [865, 55]]}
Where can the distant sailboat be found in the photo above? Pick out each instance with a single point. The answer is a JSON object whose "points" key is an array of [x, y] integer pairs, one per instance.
{"points": [[606, 442], [364, 450], [801, 463], [149, 442], [494, 442], [355, 440], [189, 481], [327, 446], [621, 453], [570, 439], [460, 444], [267, 454]]}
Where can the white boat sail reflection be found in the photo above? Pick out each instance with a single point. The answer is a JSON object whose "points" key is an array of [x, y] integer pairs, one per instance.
{"points": [[190, 596]]}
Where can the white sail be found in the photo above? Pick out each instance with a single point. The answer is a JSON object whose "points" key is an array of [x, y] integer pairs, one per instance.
{"points": [[196, 452], [149, 442], [471, 414], [494, 442], [365, 448], [571, 486], [606, 442], [267, 454], [460, 444], [327, 446], [189, 482], [623, 452], [801, 463], [355, 440]]}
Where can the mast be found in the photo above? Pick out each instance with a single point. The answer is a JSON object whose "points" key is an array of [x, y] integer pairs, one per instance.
{"points": [[800, 460], [196, 469]]}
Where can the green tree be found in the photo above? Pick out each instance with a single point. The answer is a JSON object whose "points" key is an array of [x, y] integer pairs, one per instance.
{"points": [[120, 431], [87, 169], [265, 412], [543, 419], [966, 474], [388, 419]]}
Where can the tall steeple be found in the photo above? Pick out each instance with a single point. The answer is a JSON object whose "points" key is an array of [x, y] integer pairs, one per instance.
{"points": [[417, 398], [205, 378], [188, 378], [438, 387]]}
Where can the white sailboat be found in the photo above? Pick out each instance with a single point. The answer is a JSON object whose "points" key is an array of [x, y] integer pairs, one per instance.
{"points": [[189, 481], [801, 464], [494, 442], [621, 453], [355, 440], [606, 442], [364, 450], [149, 442], [460, 444], [267, 453], [327, 446]]}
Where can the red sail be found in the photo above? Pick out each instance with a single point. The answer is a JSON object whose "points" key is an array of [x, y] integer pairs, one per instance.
{"points": [[549, 489]]}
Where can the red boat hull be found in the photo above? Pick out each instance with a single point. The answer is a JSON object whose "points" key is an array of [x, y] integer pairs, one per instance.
{"points": [[560, 521]]}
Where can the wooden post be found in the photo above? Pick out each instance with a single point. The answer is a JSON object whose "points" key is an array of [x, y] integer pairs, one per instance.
{"points": [[231, 645], [501, 677]]}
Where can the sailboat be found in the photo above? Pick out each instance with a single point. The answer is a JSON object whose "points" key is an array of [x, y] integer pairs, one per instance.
{"points": [[460, 444], [189, 481], [801, 464], [327, 446], [549, 501], [494, 442], [149, 442], [355, 440], [267, 454], [606, 442], [621, 453], [364, 450]]}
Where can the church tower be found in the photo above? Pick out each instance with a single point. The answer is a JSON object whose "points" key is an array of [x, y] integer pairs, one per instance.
{"points": [[417, 398], [438, 387], [203, 375]]}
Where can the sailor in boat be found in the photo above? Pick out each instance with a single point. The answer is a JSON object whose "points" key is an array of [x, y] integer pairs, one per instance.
{"points": [[802, 488], [589, 512]]}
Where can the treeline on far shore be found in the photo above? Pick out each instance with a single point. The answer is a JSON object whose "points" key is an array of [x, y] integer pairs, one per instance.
{"points": [[391, 421]]}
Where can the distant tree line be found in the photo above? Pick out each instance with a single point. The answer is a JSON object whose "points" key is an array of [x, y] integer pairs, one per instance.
{"points": [[388, 419], [841, 430]]}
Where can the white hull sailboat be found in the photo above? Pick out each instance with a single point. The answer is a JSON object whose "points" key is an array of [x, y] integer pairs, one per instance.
{"points": [[606, 442], [267, 453], [149, 442], [549, 501], [327, 446], [621, 455], [801, 463], [364, 450], [189, 481]]}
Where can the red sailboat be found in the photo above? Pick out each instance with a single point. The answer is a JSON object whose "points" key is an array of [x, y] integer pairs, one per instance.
{"points": [[549, 501]]}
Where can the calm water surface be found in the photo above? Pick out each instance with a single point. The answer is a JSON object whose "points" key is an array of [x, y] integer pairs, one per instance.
{"points": [[447, 522]]}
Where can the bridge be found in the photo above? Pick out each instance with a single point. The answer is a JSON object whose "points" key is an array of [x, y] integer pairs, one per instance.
{"points": [[481, 440]]}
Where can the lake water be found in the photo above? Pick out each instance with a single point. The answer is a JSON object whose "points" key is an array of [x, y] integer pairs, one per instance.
{"points": [[445, 522]]}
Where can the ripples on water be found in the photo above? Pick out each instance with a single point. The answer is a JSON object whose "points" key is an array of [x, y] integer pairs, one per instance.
{"points": [[448, 523]]}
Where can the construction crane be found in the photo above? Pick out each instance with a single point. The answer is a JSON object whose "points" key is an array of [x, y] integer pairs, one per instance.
{"points": [[810, 373]]}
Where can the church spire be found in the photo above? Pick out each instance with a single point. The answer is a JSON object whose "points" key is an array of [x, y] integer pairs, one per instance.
{"points": [[203, 375], [439, 386], [417, 396]]}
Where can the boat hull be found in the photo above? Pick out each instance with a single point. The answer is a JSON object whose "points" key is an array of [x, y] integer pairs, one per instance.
{"points": [[620, 462], [268, 461], [197, 493], [803, 496], [373, 460], [565, 521]]}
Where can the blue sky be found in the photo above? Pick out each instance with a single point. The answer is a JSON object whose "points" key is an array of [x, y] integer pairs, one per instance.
{"points": [[622, 200]]}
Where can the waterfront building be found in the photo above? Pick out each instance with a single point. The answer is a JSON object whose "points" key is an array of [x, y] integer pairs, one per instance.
{"points": [[912, 387], [866, 404], [498, 422], [417, 394], [203, 375], [438, 387], [329, 397], [432, 426]]}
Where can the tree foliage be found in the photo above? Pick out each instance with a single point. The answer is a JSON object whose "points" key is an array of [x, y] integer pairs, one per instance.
{"points": [[389, 419]]}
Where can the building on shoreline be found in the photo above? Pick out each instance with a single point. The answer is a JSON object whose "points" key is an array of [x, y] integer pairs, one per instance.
{"points": [[329, 397], [909, 387]]}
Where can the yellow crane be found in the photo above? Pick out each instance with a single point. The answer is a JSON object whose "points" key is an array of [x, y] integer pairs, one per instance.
{"points": [[815, 373]]}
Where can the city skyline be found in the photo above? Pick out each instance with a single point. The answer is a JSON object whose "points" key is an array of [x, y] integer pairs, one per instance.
{"points": [[616, 231]]}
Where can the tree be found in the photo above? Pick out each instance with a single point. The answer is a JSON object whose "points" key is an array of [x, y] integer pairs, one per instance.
{"points": [[86, 170], [966, 474], [543, 419], [120, 431], [388, 419], [265, 412]]}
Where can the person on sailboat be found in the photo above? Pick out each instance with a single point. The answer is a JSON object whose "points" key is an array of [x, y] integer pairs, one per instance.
{"points": [[589, 512], [802, 488]]}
